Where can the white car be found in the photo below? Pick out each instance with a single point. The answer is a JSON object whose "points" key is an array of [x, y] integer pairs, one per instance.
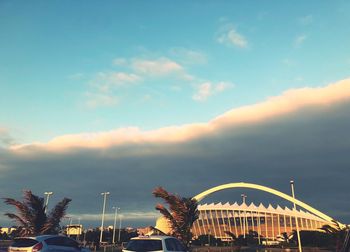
{"points": [[154, 243], [46, 243]]}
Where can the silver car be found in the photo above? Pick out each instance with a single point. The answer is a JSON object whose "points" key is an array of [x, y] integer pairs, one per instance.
{"points": [[46, 243], [154, 244]]}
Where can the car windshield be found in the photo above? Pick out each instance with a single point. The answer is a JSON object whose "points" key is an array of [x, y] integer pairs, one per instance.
{"points": [[24, 242], [144, 245]]}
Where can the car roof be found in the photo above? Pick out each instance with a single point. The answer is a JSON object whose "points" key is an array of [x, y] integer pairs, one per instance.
{"points": [[41, 238], [152, 237]]}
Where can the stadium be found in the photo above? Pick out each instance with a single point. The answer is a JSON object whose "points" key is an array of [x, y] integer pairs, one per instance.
{"points": [[223, 220]]}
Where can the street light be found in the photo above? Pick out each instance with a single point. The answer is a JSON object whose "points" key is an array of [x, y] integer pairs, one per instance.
{"points": [[115, 221], [245, 222], [243, 198], [47, 199], [120, 227], [296, 218], [69, 218], [103, 212]]}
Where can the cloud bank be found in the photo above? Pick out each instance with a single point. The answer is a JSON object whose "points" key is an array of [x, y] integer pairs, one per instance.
{"points": [[288, 102], [302, 134]]}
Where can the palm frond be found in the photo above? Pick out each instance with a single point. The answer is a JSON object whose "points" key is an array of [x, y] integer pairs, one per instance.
{"points": [[181, 215], [55, 216]]}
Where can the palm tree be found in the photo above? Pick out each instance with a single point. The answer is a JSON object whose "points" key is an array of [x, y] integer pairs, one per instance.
{"points": [[181, 215], [31, 217]]}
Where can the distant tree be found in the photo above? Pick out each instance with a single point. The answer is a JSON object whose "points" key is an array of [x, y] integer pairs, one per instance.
{"points": [[31, 218], [181, 215], [207, 239], [232, 236]]}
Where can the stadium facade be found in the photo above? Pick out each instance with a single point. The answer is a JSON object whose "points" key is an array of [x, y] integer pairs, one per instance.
{"points": [[222, 220], [270, 222]]}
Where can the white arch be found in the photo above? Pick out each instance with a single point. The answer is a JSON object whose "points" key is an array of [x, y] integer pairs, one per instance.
{"points": [[323, 216]]}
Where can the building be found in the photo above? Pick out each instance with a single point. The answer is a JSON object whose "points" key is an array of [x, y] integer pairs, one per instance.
{"points": [[269, 222], [222, 220]]}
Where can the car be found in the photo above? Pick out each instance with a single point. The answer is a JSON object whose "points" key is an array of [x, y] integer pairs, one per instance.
{"points": [[46, 243], [154, 243]]}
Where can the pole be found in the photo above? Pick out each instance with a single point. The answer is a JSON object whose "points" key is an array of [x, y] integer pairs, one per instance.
{"points": [[115, 222], [103, 213], [47, 199], [120, 227], [69, 225], [296, 218], [245, 215]]}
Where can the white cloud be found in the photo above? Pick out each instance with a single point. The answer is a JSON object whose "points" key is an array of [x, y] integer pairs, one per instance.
{"points": [[228, 35], [288, 102], [5, 137], [105, 81], [187, 56], [206, 89], [158, 67], [299, 40]]}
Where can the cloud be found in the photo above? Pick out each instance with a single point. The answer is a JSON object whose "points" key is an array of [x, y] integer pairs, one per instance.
{"points": [[229, 35], [288, 102], [189, 57], [107, 80], [5, 138], [102, 88], [300, 134], [299, 40], [158, 67], [207, 89]]}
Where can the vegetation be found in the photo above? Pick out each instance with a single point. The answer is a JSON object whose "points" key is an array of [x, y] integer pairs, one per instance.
{"points": [[337, 234], [31, 217], [181, 215]]}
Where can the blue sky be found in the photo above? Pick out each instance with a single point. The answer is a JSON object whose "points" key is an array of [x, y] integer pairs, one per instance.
{"points": [[52, 54], [135, 94]]}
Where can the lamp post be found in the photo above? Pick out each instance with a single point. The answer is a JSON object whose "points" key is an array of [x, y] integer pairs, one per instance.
{"points": [[115, 221], [69, 218], [120, 227], [103, 213], [296, 218], [47, 199], [245, 214]]}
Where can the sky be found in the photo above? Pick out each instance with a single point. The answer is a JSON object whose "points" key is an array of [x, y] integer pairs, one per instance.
{"points": [[125, 96]]}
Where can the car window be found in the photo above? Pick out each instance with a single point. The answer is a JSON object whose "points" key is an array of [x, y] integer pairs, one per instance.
{"points": [[61, 241], [170, 245], [54, 241], [69, 242], [144, 245], [23, 242], [174, 245]]}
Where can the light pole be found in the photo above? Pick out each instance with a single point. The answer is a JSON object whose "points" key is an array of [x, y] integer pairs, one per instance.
{"points": [[69, 225], [115, 221], [245, 214], [47, 199], [296, 218], [120, 227], [103, 212]]}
